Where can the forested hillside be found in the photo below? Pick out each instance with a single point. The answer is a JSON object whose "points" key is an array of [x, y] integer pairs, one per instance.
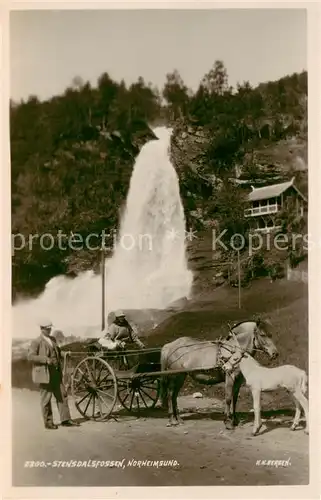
{"points": [[72, 156]]}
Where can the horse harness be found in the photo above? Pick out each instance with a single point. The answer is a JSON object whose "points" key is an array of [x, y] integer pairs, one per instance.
{"points": [[221, 361]]}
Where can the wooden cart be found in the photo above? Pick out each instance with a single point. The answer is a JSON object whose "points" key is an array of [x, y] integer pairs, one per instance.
{"points": [[97, 380]]}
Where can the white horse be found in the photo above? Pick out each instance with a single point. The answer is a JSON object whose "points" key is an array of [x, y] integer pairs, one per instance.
{"points": [[261, 379]]}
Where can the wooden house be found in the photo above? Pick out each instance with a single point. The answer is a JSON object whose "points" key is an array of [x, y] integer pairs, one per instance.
{"points": [[268, 201]]}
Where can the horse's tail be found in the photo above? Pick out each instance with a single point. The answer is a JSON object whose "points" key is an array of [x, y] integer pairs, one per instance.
{"points": [[163, 382], [164, 391], [304, 383]]}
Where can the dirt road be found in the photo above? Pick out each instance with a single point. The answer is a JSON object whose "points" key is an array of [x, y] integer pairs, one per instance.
{"points": [[205, 453]]}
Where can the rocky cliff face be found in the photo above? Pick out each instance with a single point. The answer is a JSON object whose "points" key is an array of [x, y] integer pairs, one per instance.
{"points": [[188, 155], [188, 147], [266, 163]]}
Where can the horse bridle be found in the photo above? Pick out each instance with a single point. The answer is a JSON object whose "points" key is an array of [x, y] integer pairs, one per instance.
{"points": [[257, 349], [223, 362]]}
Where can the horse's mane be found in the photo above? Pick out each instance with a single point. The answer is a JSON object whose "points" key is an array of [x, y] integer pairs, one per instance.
{"points": [[263, 323], [240, 323]]}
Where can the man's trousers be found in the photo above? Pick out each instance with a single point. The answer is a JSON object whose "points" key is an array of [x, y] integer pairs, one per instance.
{"points": [[54, 388]]}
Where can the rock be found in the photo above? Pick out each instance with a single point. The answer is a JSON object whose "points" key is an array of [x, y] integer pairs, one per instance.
{"points": [[60, 337], [178, 305], [197, 395], [188, 154]]}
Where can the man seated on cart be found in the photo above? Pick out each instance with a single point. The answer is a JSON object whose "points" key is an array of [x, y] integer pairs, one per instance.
{"points": [[119, 333]]}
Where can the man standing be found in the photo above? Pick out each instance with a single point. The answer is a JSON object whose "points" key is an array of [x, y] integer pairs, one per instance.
{"points": [[46, 357], [120, 331]]}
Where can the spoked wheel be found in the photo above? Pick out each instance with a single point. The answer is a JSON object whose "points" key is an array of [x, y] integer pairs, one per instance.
{"points": [[94, 388], [138, 393]]}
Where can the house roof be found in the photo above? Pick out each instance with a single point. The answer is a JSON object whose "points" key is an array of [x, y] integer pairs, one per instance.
{"points": [[266, 192]]}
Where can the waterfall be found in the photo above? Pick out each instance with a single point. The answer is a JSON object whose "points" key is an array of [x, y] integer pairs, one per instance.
{"points": [[148, 268]]}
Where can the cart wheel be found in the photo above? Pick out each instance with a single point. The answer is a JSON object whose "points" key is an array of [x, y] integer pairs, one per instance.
{"points": [[138, 393], [94, 388]]}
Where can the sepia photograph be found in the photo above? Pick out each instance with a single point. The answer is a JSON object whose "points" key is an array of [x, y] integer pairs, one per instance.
{"points": [[160, 247]]}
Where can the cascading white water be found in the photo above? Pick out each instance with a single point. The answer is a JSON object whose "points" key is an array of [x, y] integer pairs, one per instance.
{"points": [[148, 268]]}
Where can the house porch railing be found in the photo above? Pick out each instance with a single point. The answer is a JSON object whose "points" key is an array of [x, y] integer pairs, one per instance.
{"points": [[263, 210]]}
